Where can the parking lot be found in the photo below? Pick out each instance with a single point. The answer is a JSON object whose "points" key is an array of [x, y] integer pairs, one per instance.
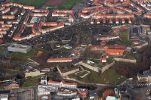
{"points": [[143, 90]]}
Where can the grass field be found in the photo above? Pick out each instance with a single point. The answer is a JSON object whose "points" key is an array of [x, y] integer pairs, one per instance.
{"points": [[124, 37], [83, 73], [9, 71], [31, 81], [67, 4], [109, 76], [29, 2], [23, 56], [2, 48]]}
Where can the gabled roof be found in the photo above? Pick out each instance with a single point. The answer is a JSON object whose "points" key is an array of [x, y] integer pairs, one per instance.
{"points": [[108, 93], [58, 59], [50, 81], [114, 51]]}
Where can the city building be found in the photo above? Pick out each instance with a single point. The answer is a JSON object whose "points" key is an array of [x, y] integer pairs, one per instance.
{"points": [[1, 35], [113, 95], [46, 89], [76, 53], [92, 94], [66, 92], [33, 73], [44, 80], [2, 8], [62, 84], [118, 28], [45, 97], [114, 52], [6, 10], [28, 7], [14, 11], [108, 37], [4, 28], [68, 47], [108, 93], [19, 48], [12, 84], [3, 32], [39, 53], [145, 77], [82, 91], [104, 47], [8, 16], [39, 12], [3, 96], [53, 26], [59, 60]]}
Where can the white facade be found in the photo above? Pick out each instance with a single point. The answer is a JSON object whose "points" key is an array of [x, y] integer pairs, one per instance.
{"points": [[3, 97], [63, 84], [66, 92], [46, 89], [19, 48]]}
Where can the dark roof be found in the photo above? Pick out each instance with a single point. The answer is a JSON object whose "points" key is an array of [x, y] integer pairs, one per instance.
{"points": [[5, 91], [77, 61]]}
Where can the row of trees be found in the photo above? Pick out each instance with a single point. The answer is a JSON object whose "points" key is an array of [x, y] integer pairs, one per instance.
{"points": [[130, 69]]}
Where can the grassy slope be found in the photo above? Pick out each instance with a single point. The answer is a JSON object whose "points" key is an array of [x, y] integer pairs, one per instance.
{"points": [[29, 2], [24, 56], [109, 76], [124, 37], [31, 81], [67, 4]]}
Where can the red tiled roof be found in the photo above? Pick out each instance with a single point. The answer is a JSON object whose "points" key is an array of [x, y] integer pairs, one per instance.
{"points": [[77, 52], [107, 37], [108, 93], [114, 51], [116, 29], [50, 81], [8, 16], [40, 52], [58, 59], [103, 42]]}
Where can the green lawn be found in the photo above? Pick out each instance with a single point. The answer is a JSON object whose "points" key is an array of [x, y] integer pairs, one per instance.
{"points": [[67, 4], [100, 66], [124, 37], [129, 55], [83, 73], [29, 2], [32, 81], [112, 77], [109, 76], [23, 56], [2, 48], [52, 5], [9, 71]]}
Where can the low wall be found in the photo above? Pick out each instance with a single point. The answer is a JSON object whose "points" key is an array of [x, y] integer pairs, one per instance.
{"points": [[107, 67], [138, 47], [90, 67], [125, 60], [67, 73], [32, 74]]}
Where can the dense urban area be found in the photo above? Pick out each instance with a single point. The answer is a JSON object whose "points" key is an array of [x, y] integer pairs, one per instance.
{"points": [[75, 49]]}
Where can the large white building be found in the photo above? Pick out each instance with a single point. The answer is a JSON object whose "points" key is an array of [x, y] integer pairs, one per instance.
{"points": [[19, 48], [62, 84], [66, 92], [46, 89]]}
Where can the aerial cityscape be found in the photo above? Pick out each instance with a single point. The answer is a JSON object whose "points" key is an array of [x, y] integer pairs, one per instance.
{"points": [[75, 49]]}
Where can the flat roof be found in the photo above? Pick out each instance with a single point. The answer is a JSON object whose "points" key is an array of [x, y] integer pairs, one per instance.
{"points": [[20, 46]]}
